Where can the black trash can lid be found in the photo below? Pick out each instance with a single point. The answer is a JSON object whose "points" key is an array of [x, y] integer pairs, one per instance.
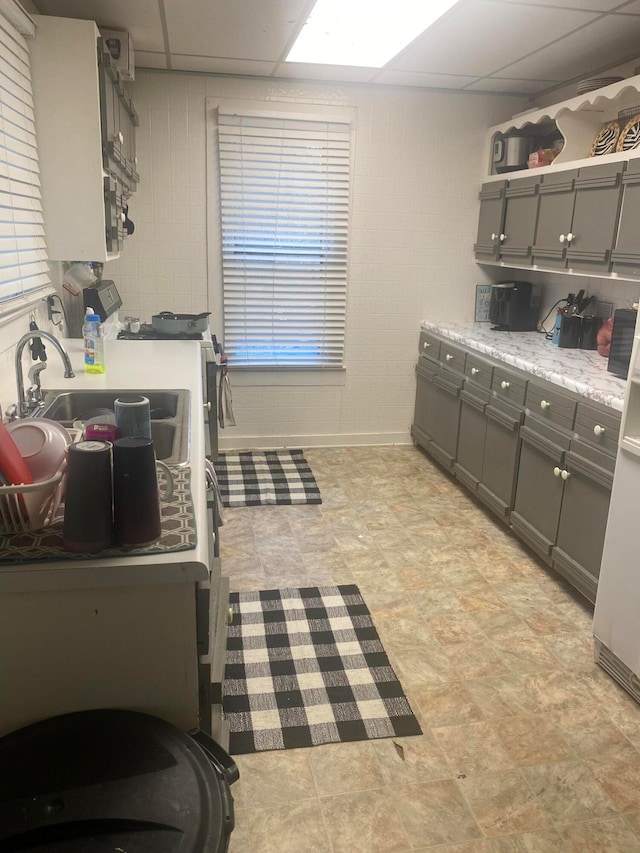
{"points": [[96, 781]]}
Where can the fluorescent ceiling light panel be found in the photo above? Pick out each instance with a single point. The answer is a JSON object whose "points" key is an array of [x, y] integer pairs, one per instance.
{"points": [[366, 33]]}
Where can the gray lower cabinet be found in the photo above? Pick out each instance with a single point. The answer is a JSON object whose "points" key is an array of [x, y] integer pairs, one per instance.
{"points": [[497, 483], [539, 486], [541, 458]]}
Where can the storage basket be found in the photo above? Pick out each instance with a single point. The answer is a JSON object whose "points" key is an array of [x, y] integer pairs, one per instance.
{"points": [[30, 507]]}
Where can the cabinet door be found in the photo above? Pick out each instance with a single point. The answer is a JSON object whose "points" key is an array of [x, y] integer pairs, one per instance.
{"points": [[492, 203], [538, 492], [626, 253], [555, 214], [500, 462], [425, 405], [446, 418], [583, 521], [471, 437], [595, 217], [520, 220]]}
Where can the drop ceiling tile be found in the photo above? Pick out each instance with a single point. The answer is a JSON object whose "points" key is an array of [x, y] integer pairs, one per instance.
{"points": [[582, 54], [217, 65], [513, 87], [508, 30], [431, 81], [589, 5], [304, 71], [149, 59], [630, 9], [140, 18], [251, 29]]}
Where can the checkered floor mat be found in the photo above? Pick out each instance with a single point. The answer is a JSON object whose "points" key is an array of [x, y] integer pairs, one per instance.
{"points": [[253, 478], [306, 667]]}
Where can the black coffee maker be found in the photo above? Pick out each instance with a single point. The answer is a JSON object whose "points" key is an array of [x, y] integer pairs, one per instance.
{"points": [[515, 306]]}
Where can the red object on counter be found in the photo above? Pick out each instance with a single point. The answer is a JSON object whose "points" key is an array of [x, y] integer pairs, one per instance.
{"points": [[604, 338], [12, 465]]}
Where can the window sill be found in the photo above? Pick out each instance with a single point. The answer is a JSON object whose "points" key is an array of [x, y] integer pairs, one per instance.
{"points": [[246, 376]]}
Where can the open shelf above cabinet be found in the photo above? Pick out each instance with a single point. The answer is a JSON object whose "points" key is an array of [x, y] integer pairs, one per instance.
{"points": [[576, 122]]}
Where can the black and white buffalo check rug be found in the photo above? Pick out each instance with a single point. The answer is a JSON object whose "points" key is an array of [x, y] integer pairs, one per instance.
{"points": [[254, 478], [306, 667]]}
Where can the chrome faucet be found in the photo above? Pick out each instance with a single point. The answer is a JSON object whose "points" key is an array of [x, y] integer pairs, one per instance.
{"points": [[27, 403]]}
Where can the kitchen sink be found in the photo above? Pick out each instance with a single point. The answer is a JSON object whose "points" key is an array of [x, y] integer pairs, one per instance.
{"points": [[169, 415]]}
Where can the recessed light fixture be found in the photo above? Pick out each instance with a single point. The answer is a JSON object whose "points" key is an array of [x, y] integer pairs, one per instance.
{"points": [[367, 33]]}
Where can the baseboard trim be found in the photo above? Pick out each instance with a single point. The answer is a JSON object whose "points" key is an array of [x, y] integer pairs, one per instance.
{"points": [[267, 442]]}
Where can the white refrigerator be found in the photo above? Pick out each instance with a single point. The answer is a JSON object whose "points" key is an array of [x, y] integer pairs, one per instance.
{"points": [[616, 622]]}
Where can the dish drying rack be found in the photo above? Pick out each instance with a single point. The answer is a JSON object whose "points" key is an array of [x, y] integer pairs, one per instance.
{"points": [[33, 506]]}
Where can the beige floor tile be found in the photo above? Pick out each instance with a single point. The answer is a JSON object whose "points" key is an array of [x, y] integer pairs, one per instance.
{"points": [[272, 778], [555, 691], [503, 696], [526, 654], [291, 828], [502, 803], [633, 819], [392, 605], [338, 768], [589, 732], [452, 628], [418, 666], [476, 659], [532, 739], [411, 759], [472, 749], [545, 841], [402, 634], [433, 813], [446, 704], [568, 792], [363, 822], [618, 773], [573, 651], [602, 836], [479, 595], [499, 625], [240, 841]]}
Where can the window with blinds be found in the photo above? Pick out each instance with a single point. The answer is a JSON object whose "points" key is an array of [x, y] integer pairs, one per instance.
{"points": [[23, 257], [284, 202]]}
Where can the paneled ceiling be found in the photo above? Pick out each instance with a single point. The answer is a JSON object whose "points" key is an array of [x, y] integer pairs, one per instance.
{"points": [[521, 47]]}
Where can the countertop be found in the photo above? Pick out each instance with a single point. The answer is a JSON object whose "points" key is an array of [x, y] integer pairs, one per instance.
{"points": [[582, 371], [130, 365]]}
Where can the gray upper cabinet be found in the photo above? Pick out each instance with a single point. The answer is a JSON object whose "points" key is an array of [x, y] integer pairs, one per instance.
{"points": [[626, 251], [555, 214], [520, 220], [595, 217], [491, 221]]}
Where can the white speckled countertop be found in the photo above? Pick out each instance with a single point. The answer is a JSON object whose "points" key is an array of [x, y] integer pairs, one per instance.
{"points": [[582, 371]]}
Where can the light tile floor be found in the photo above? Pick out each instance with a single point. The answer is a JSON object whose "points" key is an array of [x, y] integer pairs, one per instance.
{"points": [[528, 747]]}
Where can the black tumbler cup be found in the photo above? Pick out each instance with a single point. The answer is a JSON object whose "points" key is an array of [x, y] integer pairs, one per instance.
{"points": [[136, 503], [88, 502]]}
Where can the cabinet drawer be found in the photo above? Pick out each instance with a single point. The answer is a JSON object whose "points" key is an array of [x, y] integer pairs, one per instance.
{"points": [[429, 345], [508, 385], [552, 406], [597, 427], [452, 356], [478, 370]]}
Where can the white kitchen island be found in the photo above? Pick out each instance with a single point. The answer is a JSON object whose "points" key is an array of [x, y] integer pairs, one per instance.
{"points": [[117, 632]]}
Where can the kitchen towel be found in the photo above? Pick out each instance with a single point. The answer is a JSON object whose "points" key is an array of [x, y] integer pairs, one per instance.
{"points": [[306, 667], [256, 478]]}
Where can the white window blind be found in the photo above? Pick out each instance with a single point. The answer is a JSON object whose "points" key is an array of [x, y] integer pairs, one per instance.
{"points": [[284, 200], [23, 255]]}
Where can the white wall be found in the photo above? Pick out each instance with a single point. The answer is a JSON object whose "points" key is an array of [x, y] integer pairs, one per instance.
{"points": [[417, 174]]}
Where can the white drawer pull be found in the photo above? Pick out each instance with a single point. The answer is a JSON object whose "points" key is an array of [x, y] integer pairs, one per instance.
{"points": [[599, 430], [570, 237], [562, 238], [494, 236], [474, 370], [565, 475], [449, 357], [544, 404], [503, 237], [556, 471], [504, 385], [426, 345]]}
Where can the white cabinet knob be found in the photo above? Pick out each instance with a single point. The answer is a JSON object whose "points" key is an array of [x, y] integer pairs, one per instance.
{"points": [[598, 430], [426, 345], [544, 404], [474, 370], [504, 385], [120, 137], [562, 238], [570, 237], [565, 475], [449, 357], [207, 405], [123, 218], [494, 236], [556, 471], [503, 237]]}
